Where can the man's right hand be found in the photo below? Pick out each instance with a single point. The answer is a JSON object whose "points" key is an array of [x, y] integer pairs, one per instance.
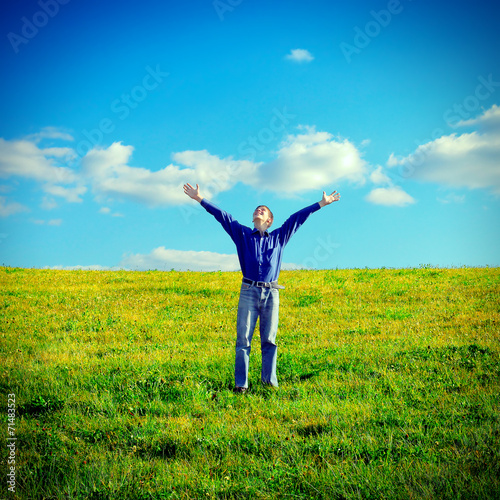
{"points": [[192, 192]]}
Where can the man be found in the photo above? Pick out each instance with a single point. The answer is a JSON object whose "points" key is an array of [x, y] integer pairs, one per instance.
{"points": [[260, 254]]}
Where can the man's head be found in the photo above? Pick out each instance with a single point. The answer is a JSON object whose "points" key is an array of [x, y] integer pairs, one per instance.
{"points": [[262, 214]]}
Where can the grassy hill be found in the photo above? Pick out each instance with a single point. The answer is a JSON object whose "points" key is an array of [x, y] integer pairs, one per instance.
{"points": [[122, 386]]}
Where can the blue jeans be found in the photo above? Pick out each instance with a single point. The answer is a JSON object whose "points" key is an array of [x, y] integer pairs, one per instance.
{"points": [[257, 302]]}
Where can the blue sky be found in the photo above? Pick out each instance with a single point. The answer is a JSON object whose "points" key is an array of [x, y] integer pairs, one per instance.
{"points": [[109, 107]]}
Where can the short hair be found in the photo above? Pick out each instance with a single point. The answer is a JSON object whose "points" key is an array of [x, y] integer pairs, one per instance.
{"points": [[270, 213]]}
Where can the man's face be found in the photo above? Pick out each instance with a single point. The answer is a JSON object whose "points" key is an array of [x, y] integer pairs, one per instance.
{"points": [[261, 214]]}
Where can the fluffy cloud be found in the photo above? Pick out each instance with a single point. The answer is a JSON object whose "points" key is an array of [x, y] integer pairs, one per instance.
{"points": [[390, 196], [489, 120], [452, 198], [299, 56], [379, 177], [70, 194], [50, 133], [23, 158], [163, 258], [111, 176], [84, 268], [311, 160], [107, 211], [307, 160], [10, 208], [468, 160], [107, 170], [214, 173]]}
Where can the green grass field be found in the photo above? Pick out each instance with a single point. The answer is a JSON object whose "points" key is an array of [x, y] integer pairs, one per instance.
{"points": [[122, 382]]}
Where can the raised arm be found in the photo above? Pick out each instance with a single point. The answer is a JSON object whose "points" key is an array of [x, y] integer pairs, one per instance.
{"points": [[227, 221], [192, 192], [292, 224]]}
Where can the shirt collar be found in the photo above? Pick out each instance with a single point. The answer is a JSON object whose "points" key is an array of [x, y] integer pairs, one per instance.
{"points": [[255, 230]]}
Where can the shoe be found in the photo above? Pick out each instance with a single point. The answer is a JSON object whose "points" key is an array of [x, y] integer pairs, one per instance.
{"points": [[240, 389]]}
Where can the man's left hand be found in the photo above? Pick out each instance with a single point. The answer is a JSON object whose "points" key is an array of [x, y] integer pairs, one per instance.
{"points": [[327, 199]]}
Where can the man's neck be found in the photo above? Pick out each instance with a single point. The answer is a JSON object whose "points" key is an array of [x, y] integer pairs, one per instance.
{"points": [[260, 226]]}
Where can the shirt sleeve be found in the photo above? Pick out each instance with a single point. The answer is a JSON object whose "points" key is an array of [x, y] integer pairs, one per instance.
{"points": [[292, 224], [226, 220]]}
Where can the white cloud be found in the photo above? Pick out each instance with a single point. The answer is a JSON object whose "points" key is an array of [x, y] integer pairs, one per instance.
{"points": [[214, 173], [52, 222], [10, 208], [48, 203], [26, 159], [107, 211], [299, 56], [292, 267], [390, 196], [490, 119], [306, 161], [50, 133], [84, 268], [470, 160], [311, 161], [452, 198], [111, 176], [163, 259], [22, 158], [108, 172], [181, 260], [379, 177], [70, 194]]}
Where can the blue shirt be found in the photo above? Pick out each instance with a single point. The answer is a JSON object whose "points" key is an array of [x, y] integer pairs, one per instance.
{"points": [[260, 256]]}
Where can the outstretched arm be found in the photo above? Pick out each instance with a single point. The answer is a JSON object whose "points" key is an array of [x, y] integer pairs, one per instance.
{"points": [[296, 220], [192, 192], [327, 199], [230, 225]]}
